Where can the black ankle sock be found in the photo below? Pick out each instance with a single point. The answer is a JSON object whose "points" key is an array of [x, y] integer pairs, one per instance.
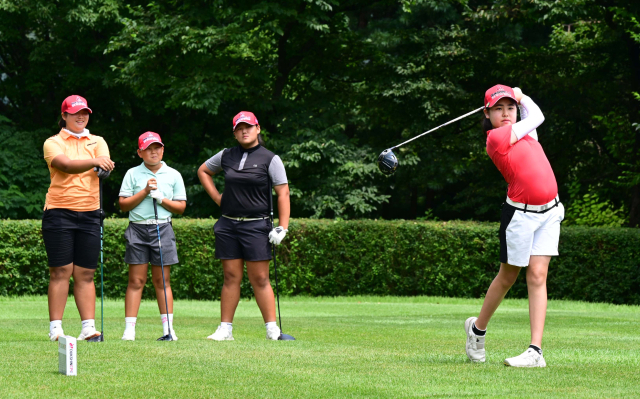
{"points": [[477, 331], [535, 348]]}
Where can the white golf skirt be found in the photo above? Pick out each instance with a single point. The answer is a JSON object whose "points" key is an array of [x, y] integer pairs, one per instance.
{"points": [[523, 234]]}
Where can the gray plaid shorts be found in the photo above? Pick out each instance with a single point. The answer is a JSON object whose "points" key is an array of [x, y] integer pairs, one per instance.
{"points": [[142, 244]]}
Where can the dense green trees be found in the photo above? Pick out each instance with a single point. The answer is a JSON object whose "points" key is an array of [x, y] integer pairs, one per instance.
{"points": [[333, 83]]}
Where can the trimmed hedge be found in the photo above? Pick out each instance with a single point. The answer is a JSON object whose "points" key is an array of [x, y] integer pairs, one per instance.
{"points": [[326, 257]]}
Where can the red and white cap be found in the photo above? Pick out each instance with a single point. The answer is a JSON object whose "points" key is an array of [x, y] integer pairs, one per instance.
{"points": [[148, 138], [246, 117], [494, 94], [73, 104]]}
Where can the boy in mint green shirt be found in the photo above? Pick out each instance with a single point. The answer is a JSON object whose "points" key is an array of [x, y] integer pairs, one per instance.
{"points": [[153, 179]]}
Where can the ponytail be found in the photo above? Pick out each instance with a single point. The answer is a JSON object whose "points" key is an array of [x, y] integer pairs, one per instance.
{"points": [[486, 124], [260, 139], [62, 123]]}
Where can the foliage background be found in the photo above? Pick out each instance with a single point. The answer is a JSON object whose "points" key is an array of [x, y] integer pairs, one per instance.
{"points": [[333, 84], [363, 257]]}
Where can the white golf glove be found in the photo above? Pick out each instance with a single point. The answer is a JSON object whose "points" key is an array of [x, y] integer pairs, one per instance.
{"points": [[157, 195], [277, 235]]}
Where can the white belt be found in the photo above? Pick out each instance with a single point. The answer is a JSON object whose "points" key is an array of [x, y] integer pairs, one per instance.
{"points": [[534, 208], [153, 221], [244, 219]]}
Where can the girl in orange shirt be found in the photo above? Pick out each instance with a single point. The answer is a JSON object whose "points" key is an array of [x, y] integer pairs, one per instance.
{"points": [[71, 220]]}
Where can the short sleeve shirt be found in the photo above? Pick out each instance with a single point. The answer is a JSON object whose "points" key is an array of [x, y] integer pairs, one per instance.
{"points": [[248, 173], [524, 166], [169, 182], [77, 192]]}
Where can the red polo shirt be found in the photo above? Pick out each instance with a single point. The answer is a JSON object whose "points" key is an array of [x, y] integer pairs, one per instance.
{"points": [[524, 166]]}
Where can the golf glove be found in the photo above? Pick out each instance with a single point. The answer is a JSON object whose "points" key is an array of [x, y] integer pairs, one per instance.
{"points": [[157, 195], [102, 174], [277, 235]]}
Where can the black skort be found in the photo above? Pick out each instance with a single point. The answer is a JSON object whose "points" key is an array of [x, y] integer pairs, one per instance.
{"points": [[248, 240], [71, 237]]}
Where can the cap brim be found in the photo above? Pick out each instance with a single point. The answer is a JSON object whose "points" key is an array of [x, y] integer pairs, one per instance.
{"points": [[77, 109], [236, 125], [494, 101], [149, 143]]}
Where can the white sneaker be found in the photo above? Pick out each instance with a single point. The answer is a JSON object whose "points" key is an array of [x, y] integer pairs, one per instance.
{"points": [[88, 333], [273, 333], [530, 358], [221, 334], [129, 335], [475, 343], [56, 333]]}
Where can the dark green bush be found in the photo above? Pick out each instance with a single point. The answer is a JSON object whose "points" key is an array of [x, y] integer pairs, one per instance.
{"points": [[326, 257]]}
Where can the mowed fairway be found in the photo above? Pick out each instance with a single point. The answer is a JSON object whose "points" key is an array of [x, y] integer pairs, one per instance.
{"points": [[369, 347]]}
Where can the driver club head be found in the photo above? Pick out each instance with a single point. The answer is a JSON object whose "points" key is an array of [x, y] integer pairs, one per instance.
{"points": [[167, 337], [99, 338], [285, 337], [387, 161]]}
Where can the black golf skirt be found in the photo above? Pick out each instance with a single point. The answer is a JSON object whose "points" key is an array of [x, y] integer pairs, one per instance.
{"points": [[71, 237], [248, 240]]}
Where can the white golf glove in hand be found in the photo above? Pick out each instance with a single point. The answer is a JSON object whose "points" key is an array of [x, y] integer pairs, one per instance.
{"points": [[277, 235], [102, 174], [157, 195]]}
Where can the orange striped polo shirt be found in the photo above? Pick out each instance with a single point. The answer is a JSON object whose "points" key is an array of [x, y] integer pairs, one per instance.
{"points": [[77, 192]]}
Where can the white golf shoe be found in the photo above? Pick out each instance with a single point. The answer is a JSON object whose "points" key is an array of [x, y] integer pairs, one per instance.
{"points": [[475, 343], [273, 333], [221, 334], [56, 333], [530, 358], [88, 333], [129, 335]]}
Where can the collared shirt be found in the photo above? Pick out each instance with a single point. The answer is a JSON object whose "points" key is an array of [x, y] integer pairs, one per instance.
{"points": [[169, 182], [524, 166], [77, 192], [248, 173]]}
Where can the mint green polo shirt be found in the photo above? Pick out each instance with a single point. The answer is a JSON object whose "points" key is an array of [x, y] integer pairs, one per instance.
{"points": [[169, 182]]}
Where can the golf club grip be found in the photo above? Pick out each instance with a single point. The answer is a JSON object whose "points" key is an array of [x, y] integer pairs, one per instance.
{"points": [[155, 210], [101, 209]]}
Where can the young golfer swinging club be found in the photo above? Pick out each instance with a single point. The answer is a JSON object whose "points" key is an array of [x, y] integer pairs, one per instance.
{"points": [[151, 180], [71, 219], [530, 222], [244, 231]]}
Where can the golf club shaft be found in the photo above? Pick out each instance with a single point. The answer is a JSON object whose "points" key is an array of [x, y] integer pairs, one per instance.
{"points": [[436, 128], [164, 286], [273, 251], [101, 263]]}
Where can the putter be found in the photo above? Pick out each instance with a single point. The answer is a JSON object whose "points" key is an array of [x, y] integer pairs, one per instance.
{"points": [[387, 160], [283, 336], [100, 338], [167, 337]]}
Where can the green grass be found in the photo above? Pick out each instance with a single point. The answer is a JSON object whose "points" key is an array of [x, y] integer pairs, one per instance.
{"points": [[346, 347]]}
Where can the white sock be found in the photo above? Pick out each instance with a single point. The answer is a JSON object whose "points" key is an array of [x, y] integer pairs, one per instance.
{"points": [[54, 323], [228, 326], [271, 324], [130, 323], [165, 324], [89, 323]]}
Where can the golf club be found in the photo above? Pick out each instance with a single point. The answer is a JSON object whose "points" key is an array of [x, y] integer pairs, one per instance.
{"points": [[283, 336], [387, 160], [100, 338], [167, 337]]}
